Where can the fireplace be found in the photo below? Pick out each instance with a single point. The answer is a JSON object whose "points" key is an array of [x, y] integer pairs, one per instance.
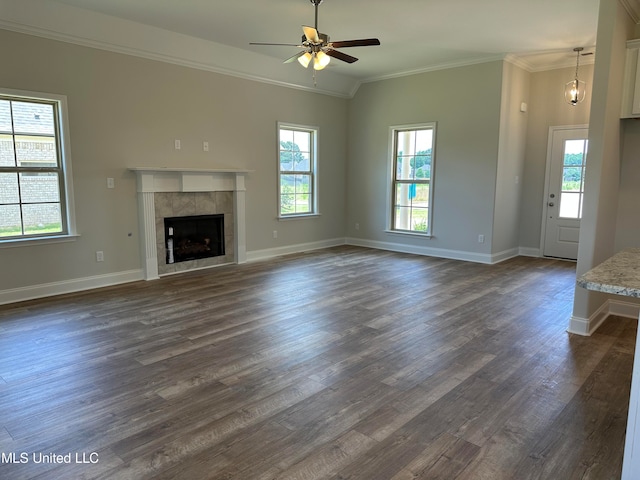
{"points": [[165, 192], [193, 237]]}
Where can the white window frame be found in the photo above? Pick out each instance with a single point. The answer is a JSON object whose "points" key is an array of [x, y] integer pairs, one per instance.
{"points": [[67, 203], [392, 181], [313, 172]]}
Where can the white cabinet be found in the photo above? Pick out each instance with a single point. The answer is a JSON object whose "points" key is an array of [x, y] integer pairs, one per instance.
{"points": [[631, 85]]}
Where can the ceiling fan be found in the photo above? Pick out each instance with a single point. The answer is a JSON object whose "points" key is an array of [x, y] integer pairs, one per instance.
{"points": [[317, 46]]}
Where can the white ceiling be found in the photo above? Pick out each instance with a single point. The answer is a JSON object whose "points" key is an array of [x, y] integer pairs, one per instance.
{"points": [[415, 35]]}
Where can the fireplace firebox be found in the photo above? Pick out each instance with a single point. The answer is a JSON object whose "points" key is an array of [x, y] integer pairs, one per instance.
{"points": [[193, 237]]}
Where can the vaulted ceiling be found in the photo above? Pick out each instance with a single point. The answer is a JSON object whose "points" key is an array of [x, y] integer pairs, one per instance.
{"points": [[415, 35]]}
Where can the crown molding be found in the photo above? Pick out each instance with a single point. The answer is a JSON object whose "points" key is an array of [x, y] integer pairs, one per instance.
{"points": [[633, 9], [86, 28]]}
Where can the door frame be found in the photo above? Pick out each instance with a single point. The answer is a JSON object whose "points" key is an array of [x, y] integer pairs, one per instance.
{"points": [[547, 174]]}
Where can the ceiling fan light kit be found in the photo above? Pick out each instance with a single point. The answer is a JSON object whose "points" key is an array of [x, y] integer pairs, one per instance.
{"points": [[318, 47]]}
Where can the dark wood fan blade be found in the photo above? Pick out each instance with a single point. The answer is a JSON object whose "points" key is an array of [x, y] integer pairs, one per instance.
{"points": [[278, 44], [364, 42], [341, 56]]}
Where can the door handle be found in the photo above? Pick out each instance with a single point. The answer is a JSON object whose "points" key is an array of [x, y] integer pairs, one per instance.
{"points": [[551, 204]]}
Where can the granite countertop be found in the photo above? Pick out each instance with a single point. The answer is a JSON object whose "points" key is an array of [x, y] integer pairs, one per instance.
{"points": [[619, 275]]}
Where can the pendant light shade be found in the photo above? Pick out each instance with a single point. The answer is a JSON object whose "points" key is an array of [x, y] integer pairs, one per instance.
{"points": [[575, 90], [305, 59], [321, 60]]}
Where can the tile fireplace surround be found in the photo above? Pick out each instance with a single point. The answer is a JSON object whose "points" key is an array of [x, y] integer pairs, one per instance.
{"points": [[211, 188]]}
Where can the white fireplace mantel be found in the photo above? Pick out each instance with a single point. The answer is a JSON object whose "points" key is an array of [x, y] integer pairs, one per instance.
{"points": [[151, 180]]}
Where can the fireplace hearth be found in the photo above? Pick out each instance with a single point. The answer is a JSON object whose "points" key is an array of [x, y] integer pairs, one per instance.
{"points": [[193, 237]]}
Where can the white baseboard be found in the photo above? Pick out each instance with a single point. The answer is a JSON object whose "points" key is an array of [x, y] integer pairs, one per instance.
{"points": [[256, 255], [435, 252], [529, 252], [68, 286], [587, 326]]}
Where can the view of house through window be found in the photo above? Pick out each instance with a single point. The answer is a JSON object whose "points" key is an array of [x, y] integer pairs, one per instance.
{"points": [[31, 169], [574, 161], [296, 169], [413, 163]]}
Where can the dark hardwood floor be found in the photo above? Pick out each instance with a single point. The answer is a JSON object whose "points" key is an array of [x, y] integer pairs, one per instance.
{"points": [[344, 363]]}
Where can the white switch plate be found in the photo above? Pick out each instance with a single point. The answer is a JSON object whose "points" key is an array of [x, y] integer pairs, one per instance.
{"points": [[205, 146], [111, 182], [177, 144]]}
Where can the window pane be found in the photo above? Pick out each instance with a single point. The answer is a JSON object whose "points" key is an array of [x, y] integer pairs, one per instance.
{"points": [[39, 187], [402, 218], [286, 161], [42, 218], [419, 218], [571, 179], [421, 198], [422, 166], [7, 157], [574, 152], [403, 194], [570, 205], [9, 188], [33, 118], [303, 163], [36, 151], [404, 170], [303, 141], [286, 136], [10, 224], [5, 117]]}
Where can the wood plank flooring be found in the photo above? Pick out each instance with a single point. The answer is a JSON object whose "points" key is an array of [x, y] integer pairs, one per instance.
{"points": [[340, 364]]}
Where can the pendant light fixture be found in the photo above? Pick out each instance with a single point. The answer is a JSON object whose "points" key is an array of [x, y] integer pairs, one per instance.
{"points": [[575, 90]]}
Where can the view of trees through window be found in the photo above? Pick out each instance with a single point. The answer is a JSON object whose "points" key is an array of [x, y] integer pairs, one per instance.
{"points": [[296, 165], [413, 164], [573, 170]]}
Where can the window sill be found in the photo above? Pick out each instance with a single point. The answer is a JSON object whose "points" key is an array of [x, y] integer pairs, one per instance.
{"points": [[411, 234], [28, 242], [299, 216]]}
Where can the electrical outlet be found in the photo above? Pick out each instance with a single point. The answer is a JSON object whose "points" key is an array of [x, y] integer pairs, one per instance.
{"points": [[178, 144], [357, 226], [480, 238], [275, 234], [99, 256]]}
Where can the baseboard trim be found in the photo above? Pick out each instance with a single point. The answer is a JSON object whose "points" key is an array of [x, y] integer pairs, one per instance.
{"points": [[529, 252], [265, 254], [587, 326], [68, 286], [435, 252]]}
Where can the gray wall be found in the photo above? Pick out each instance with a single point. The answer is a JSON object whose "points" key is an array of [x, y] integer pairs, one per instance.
{"points": [[547, 108], [628, 220], [512, 141], [126, 111], [465, 103]]}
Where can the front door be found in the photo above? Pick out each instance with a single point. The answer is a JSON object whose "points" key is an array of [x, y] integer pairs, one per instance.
{"points": [[565, 192]]}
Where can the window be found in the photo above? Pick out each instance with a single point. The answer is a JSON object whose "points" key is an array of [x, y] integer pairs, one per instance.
{"points": [[34, 178], [573, 165], [412, 178], [297, 188]]}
